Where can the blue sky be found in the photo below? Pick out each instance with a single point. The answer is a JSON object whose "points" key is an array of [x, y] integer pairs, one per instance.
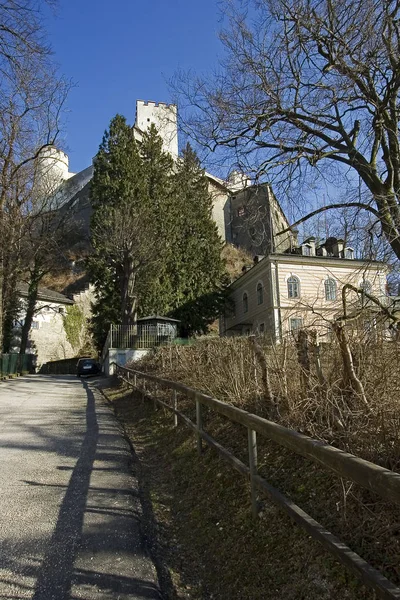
{"points": [[122, 50]]}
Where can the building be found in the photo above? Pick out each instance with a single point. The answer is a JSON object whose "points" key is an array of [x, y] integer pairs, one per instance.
{"points": [[248, 216], [253, 218], [284, 292], [48, 338], [71, 191]]}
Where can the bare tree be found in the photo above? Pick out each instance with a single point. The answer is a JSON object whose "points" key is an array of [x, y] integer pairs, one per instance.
{"points": [[32, 96], [309, 86]]}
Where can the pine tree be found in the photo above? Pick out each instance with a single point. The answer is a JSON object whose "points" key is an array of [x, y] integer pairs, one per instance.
{"points": [[196, 269]]}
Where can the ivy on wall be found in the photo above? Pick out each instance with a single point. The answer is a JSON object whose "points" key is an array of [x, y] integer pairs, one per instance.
{"points": [[74, 325]]}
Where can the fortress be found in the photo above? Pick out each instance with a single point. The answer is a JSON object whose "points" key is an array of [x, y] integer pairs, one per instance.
{"points": [[246, 216]]}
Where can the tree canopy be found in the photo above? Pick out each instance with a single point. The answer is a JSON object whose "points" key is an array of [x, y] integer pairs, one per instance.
{"points": [[155, 246], [309, 85]]}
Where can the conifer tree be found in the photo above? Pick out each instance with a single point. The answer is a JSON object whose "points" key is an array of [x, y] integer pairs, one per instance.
{"points": [[129, 193], [196, 269]]}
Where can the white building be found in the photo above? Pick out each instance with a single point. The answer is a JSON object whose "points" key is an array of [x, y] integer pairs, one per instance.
{"points": [[285, 292]]}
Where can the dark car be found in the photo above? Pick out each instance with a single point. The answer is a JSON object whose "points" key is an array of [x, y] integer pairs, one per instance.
{"points": [[87, 366]]}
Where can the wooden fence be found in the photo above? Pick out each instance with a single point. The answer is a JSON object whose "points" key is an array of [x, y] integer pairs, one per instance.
{"points": [[377, 479]]}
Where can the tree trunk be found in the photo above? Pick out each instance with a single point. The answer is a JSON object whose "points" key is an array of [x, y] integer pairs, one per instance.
{"points": [[30, 311], [348, 365], [266, 383], [302, 344]]}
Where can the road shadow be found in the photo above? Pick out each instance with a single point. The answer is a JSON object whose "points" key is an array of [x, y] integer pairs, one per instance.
{"points": [[55, 575], [62, 569]]}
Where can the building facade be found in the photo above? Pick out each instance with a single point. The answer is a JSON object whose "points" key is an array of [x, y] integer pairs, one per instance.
{"points": [[282, 293]]}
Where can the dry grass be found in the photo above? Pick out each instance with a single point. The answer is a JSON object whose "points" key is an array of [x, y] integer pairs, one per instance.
{"points": [[229, 370], [206, 538]]}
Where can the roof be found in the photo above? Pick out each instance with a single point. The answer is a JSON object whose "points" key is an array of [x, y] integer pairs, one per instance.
{"points": [[44, 294], [158, 318]]}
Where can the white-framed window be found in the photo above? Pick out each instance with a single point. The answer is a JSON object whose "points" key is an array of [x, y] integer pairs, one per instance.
{"points": [[295, 323], [306, 250], [293, 285], [35, 325], [366, 285], [260, 293], [245, 303], [349, 253], [330, 289]]}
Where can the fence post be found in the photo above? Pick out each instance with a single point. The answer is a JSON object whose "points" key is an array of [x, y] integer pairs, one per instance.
{"points": [[199, 423], [155, 396], [252, 437], [175, 405], [111, 336]]}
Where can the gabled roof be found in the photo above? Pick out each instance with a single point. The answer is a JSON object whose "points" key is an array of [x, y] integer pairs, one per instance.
{"points": [[44, 294]]}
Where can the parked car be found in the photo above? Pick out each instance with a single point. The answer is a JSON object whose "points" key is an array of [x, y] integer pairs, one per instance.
{"points": [[87, 366]]}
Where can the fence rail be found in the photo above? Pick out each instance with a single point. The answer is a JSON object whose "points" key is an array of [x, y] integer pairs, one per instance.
{"points": [[377, 479]]}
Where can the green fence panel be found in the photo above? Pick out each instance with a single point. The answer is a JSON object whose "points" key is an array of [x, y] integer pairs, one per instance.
{"points": [[5, 365], [13, 363]]}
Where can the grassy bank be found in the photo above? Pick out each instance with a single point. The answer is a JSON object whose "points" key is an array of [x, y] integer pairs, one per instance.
{"points": [[209, 542]]}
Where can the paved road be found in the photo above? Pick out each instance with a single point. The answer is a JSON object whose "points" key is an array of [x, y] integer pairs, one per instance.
{"points": [[69, 507]]}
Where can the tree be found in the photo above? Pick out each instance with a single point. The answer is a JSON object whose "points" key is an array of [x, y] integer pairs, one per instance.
{"points": [[128, 192], [31, 100], [47, 234], [310, 86], [196, 269]]}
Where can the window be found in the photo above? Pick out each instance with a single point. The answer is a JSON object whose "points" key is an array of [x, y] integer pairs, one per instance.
{"points": [[35, 325], [349, 253], [306, 250], [245, 303], [293, 285], [366, 286], [296, 323], [61, 310], [330, 289], [260, 294], [261, 328], [240, 212]]}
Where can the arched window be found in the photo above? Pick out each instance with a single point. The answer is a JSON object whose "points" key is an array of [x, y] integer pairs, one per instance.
{"points": [[330, 289], [293, 285], [245, 303], [349, 253], [260, 293]]}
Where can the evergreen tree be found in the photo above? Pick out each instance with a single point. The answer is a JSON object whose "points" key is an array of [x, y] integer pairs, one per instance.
{"points": [[196, 269], [129, 193]]}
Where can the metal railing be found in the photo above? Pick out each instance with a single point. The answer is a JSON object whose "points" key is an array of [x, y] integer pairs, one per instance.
{"points": [[139, 336], [377, 479]]}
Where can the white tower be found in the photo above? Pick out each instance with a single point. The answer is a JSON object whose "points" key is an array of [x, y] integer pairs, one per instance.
{"points": [[164, 117], [52, 169]]}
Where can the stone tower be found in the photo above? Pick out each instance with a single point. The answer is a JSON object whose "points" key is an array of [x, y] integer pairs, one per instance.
{"points": [[164, 117]]}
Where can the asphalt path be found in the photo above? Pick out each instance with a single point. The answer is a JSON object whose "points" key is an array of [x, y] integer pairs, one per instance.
{"points": [[69, 506]]}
